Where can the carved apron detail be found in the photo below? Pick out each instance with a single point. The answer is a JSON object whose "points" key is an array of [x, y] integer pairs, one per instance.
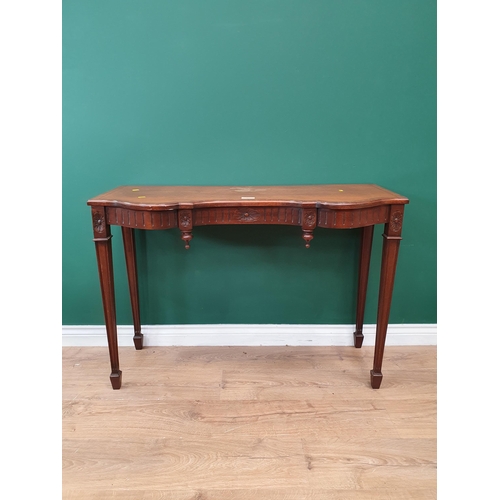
{"points": [[185, 219], [99, 223], [246, 215], [396, 221], [309, 218]]}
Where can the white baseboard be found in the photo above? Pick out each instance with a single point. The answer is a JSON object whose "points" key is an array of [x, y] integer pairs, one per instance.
{"points": [[249, 335]]}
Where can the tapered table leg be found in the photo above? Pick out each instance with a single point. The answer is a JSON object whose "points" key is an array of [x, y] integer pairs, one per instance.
{"points": [[131, 262], [364, 268], [390, 249], [102, 239]]}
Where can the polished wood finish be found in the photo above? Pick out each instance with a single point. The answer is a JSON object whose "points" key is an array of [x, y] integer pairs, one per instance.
{"points": [[334, 206], [364, 269], [340, 196], [390, 249], [246, 423], [133, 283], [102, 240]]}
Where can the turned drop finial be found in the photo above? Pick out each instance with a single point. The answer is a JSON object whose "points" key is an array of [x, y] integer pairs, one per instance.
{"points": [[308, 236], [187, 236]]}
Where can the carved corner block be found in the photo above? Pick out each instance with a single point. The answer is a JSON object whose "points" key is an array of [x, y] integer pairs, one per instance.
{"points": [[99, 224], [394, 226]]}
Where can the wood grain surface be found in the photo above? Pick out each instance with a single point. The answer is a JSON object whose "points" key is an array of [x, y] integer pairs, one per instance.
{"points": [[168, 197], [220, 423]]}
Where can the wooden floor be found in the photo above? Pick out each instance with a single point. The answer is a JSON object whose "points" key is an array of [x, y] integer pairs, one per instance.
{"points": [[261, 423]]}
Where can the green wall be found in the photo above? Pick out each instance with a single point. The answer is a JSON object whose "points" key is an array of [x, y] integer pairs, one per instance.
{"points": [[234, 92]]}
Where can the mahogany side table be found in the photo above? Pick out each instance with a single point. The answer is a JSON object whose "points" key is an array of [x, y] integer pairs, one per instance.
{"points": [[334, 206]]}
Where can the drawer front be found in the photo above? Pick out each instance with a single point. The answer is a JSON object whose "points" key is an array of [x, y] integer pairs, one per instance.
{"points": [[247, 215]]}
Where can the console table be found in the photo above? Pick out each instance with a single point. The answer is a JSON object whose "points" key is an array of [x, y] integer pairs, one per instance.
{"points": [[333, 206]]}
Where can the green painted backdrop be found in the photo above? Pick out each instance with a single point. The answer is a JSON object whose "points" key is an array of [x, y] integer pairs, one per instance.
{"points": [[240, 92]]}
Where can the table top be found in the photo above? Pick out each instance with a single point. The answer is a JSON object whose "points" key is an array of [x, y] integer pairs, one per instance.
{"points": [[311, 195]]}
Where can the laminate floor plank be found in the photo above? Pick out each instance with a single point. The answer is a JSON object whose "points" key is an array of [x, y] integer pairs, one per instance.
{"points": [[260, 494], [217, 423], [206, 418]]}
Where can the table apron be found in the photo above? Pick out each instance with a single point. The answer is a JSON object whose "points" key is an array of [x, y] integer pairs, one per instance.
{"points": [[305, 217]]}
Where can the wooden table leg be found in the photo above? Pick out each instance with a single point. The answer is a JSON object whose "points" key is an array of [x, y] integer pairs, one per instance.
{"points": [[102, 239], [392, 238], [364, 268], [131, 262]]}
